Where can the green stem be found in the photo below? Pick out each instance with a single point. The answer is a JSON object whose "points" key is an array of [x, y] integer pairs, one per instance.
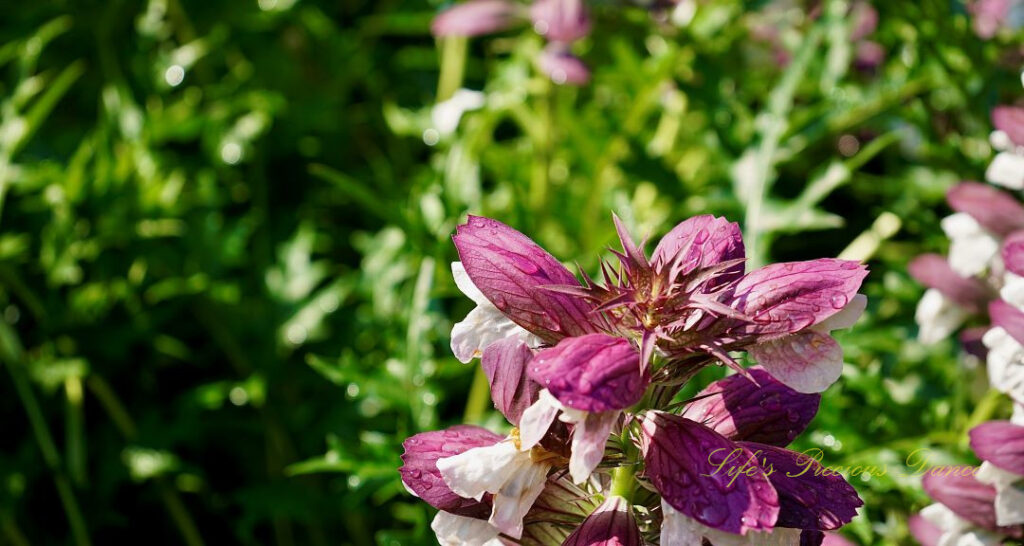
{"points": [[623, 482], [772, 125], [453, 64], [12, 354], [542, 144]]}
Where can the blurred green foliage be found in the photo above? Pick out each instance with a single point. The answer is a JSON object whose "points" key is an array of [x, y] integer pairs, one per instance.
{"points": [[224, 251]]}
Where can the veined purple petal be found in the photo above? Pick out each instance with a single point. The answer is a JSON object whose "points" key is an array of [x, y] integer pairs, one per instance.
{"points": [[968, 498], [612, 524], [475, 17], [997, 211], [1000, 443], [810, 495], [421, 476], [926, 532], [933, 271], [512, 391], [699, 242], [560, 20], [706, 476], [563, 67], [1010, 120], [510, 270], [768, 412], [1009, 318], [594, 373], [1013, 253], [809, 361], [787, 297]]}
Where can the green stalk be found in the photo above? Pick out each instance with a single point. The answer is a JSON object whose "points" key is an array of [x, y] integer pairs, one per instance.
{"points": [[772, 125], [453, 65], [542, 144], [74, 432], [623, 482], [12, 354]]}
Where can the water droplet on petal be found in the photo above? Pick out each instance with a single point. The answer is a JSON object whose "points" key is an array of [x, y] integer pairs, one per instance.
{"points": [[839, 301]]}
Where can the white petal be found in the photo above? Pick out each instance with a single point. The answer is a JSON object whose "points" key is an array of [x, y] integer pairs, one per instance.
{"points": [[1005, 363], [1018, 414], [536, 420], [1007, 170], [937, 317], [971, 248], [808, 361], [466, 285], [1013, 290], [480, 470], [943, 518], [481, 327], [446, 115], [588, 440], [677, 528], [846, 317], [1009, 493], [516, 496], [453, 530]]}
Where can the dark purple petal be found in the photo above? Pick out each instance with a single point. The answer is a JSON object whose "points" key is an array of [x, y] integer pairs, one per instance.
{"points": [[810, 495], [996, 211], [933, 271], [768, 412], [560, 20], [1000, 443], [810, 537], [1008, 318], [957, 488], [612, 524], [505, 362], [1013, 253], [707, 476], [419, 469], [699, 242], [971, 341], [1010, 120], [926, 532], [808, 361], [475, 17], [511, 271], [787, 297], [594, 373], [562, 66]]}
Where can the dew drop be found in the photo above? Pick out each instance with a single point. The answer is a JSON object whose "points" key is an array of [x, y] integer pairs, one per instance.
{"points": [[838, 301]]}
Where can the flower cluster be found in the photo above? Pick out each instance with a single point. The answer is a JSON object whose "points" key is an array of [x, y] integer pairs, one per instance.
{"points": [[560, 22], [983, 277], [587, 372]]}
